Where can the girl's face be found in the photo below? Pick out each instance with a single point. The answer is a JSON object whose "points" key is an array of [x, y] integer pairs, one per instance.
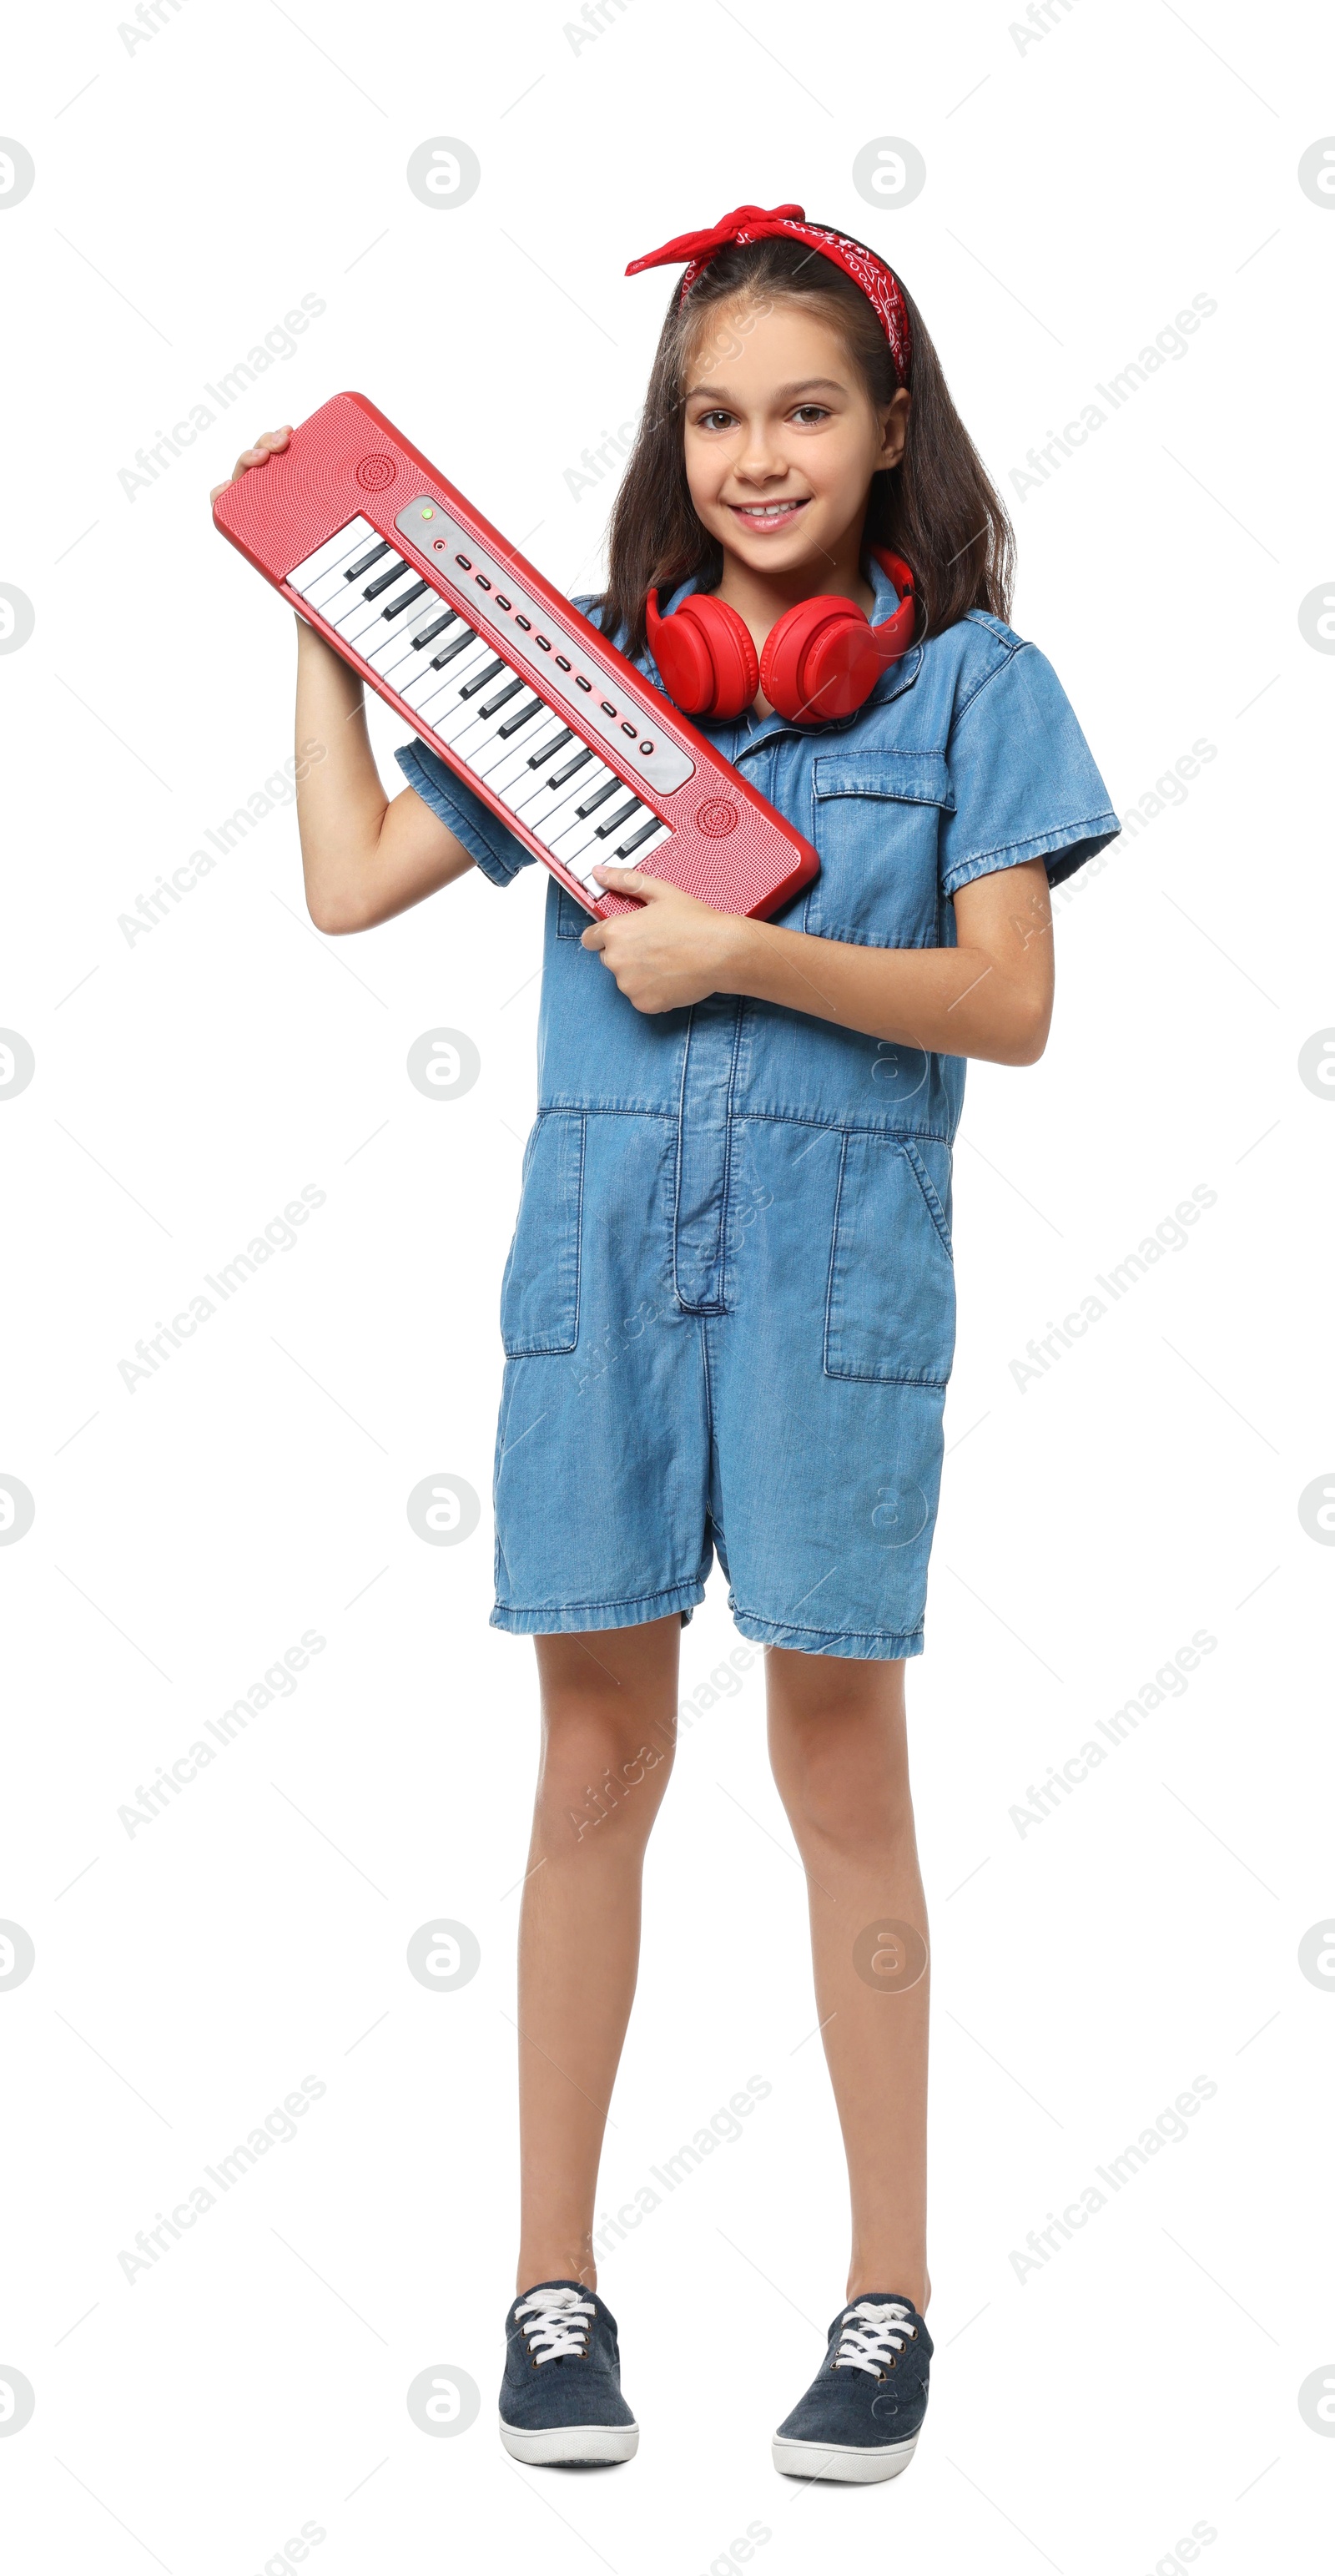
{"points": [[782, 438]]}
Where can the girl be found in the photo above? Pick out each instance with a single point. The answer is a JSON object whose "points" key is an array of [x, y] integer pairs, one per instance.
{"points": [[728, 1311]]}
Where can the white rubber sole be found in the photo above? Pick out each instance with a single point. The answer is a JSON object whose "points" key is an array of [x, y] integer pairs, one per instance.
{"points": [[856, 2467], [572, 2446]]}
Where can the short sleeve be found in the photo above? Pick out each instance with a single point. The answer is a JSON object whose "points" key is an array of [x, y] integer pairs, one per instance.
{"points": [[1023, 778], [497, 852]]}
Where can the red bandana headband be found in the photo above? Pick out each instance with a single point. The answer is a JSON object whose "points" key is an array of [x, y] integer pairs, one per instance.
{"points": [[760, 223]]}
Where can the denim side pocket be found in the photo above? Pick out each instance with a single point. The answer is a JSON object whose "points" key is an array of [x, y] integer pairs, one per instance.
{"points": [[540, 1289], [571, 918], [890, 1304]]}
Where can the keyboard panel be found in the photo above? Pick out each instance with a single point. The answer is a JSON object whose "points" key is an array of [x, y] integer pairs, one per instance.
{"points": [[497, 725]]}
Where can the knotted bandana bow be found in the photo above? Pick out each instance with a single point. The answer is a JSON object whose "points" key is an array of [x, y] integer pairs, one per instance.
{"points": [[760, 223]]}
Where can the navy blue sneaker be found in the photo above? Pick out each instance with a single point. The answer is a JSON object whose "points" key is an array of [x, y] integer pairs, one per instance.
{"points": [[561, 2401], [861, 2416]]}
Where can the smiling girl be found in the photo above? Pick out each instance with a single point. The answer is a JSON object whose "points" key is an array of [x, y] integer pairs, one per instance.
{"points": [[729, 1308]]}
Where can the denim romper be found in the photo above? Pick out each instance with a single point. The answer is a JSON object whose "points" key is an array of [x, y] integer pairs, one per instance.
{"points": [[729, 1308]]}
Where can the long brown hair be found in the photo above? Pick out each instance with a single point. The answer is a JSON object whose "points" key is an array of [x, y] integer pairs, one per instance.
{"points": [[937, 508]]}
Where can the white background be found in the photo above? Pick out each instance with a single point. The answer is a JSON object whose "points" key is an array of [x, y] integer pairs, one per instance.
{"points": [[1080, 191]]}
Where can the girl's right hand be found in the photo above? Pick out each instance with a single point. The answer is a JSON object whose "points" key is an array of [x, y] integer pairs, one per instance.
{"points": [[269, 443]]}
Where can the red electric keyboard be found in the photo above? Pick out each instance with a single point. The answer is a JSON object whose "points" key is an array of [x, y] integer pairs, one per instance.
{"points": [[553, 728]]}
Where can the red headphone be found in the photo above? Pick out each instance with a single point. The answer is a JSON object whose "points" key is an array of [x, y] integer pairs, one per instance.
{"points": [[821, 659]]}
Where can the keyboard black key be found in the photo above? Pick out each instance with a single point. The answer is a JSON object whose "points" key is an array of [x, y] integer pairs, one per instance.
{"points": [[570, 768], [549, 749], [385, 580], [460, 645], [610, 787], [515, 723], [615, 821], [480, 678], [397, 606], [494, 705], [645, 833], [429, 633], [364, 562]]}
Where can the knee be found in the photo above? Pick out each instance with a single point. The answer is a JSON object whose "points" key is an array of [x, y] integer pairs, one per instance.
{"points": [[847, 1792], [596, 1766]]}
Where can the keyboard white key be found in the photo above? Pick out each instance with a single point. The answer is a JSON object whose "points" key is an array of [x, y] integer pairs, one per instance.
{"points": [[435, 691], [507, 759], [655, 833], [568, 782], [338, 550], [402, 657], [455, 715], [333, 592], [597, 836], [344, 580], [539, 787], [362, 622], [560, 817]]}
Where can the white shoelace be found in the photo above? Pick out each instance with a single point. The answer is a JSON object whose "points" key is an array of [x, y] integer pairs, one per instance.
{"points": [[874, 2331], [555, 2318]]}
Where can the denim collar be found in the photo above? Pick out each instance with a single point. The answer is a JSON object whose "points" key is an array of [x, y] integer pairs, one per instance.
{"points": [[745, 732]]}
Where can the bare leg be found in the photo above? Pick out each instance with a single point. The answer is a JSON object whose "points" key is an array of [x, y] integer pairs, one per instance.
{"points": [[840, 1759], [609, 1704]]}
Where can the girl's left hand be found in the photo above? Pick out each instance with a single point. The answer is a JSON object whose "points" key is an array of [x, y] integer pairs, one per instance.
{"points": [[673, 951]]}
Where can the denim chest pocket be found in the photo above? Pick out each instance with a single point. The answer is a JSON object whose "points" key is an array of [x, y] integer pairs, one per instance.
{"points": [[890, 1305], [876, 821], [540, 1289]]}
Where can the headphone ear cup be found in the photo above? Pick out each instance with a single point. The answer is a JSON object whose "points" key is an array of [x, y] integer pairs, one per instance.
{"points": [[707, 658], [819, 660]]}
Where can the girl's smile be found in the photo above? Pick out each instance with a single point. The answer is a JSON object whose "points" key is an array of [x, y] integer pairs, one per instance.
{"points": [[767, 517]]}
